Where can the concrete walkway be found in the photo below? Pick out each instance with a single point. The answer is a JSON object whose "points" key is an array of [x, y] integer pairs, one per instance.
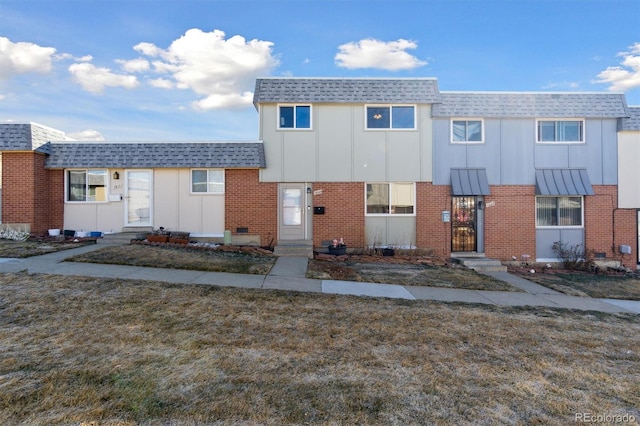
{"points": [[289, 274]]}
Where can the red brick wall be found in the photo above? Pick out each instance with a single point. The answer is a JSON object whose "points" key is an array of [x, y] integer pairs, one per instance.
{"points": [[510, 222], [251, 204], [30, 193], [344, 213], [56, 198], [607, 227], [431, 232]]}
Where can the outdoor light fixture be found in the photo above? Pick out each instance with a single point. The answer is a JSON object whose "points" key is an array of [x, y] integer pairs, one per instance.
{"points": [[116, 176], [308, 190]]}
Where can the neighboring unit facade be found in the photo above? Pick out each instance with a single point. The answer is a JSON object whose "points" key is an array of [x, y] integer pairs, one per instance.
{"points": [[629, 172], [378, 162]]}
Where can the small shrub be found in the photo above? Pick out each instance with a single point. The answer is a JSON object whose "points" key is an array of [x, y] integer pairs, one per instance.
{"points": [[574, 257]]}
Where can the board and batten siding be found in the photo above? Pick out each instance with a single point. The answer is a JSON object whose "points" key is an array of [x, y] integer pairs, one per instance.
{"points": [[511, 155], [339, 149]]}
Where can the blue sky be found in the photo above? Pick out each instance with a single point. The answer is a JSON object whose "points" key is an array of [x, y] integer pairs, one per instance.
{"points": [[186, 69]]}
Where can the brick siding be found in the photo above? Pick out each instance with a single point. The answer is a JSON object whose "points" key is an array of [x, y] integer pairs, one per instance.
{"points": [[344, 213], [251, 204], [31, 194]]}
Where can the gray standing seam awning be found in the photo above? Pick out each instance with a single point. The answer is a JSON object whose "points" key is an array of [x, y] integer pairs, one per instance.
{"points": [[469, 182], [563, 182]]}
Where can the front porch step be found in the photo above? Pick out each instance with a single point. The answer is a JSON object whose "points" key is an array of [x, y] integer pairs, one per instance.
{"points": [[294, 248], [120, 237], [481, 264]]}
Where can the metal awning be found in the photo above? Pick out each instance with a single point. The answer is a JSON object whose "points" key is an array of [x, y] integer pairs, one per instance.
{"points": [[563, 182], [469, 182]]}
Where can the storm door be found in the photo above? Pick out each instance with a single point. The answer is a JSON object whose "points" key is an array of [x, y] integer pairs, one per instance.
{"points": [[292, 212], [463, 224], [138, 200]]}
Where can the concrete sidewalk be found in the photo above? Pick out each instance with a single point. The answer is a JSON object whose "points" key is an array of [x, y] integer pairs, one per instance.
{"points": [[289, 274]]}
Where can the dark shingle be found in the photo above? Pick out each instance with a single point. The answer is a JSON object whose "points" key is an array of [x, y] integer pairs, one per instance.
{"points": [[154, 155], [346, 90], [633, 121], [527, 104]]}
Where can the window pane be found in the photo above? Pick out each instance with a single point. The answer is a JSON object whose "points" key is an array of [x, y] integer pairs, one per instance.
{"points": [[286, 117], [546, 131], [377, 198], [215, 181], [378, 118], [97, 183], [402, 198], [474, 131], [459, 131], [546, 211], [570, 211], [198, 181], [403, 117], [77, 186], [303, 117], [292, 207], [570, 131]]}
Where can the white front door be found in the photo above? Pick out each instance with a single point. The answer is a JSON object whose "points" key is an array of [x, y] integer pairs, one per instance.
{"points": [[138, 198], [292, 211]]}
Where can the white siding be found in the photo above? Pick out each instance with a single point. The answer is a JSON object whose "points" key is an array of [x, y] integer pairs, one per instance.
{"points": [[628, 170]]}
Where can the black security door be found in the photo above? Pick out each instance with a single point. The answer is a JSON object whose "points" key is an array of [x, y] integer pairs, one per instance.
{"points": [[463, 224]]}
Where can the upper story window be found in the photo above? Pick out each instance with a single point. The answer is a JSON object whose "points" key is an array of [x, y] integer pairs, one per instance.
{"points": [[467, 131], [560, 131], [390, 198], [391, 117], [294, 117], [207, 181], [88, 186], [558, 211]]}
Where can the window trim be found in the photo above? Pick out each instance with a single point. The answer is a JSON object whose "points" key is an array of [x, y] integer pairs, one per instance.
{"points": [[390, 106], [583, 126], [581, 226], [466, 120], [207, 169], [86, 171], [389, 184], [295, 124]]}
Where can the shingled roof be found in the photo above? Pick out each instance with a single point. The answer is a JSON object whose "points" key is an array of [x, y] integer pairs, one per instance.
{"points": [[347, 90], [531, 104], [154, 155], [633, 121], [27, 136]]}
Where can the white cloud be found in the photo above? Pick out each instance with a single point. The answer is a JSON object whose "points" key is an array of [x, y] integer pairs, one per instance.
{"points": [[625, 77], [205, 62], [95, 79], [134, 65], [162, 83], [371, 53], [87, 135], [23, 57]]}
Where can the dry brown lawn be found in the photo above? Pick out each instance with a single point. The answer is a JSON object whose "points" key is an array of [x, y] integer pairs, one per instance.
{"points": [[605, 284], [33, 247], [242, 260], [106, 351]]}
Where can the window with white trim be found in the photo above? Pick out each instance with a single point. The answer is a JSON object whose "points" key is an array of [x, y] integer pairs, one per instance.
{"points": [[87, 186], [390, 199], [294, 117], [560, 131], [559, 211], [391, 117], [207, 181], [467, 131]]}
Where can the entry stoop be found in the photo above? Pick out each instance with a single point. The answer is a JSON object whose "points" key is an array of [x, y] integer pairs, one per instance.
{"points": [[294, 248], [481, 264], [120, 238]]}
